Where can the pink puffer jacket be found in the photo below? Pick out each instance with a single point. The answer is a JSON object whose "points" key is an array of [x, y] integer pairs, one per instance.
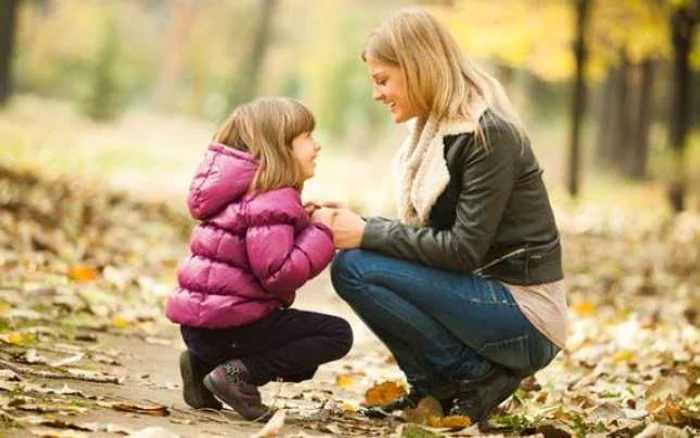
{"points": [[250, 253]]}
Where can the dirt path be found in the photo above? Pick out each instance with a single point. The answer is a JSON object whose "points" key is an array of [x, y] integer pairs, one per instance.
{"points": [[148, 366]]}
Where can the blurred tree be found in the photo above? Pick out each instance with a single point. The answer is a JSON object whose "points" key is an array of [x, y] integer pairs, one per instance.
{"points": [[105, 99], [628, 36], [683, 19], [578, 101], [8, 19], [181, 19], [246, 85]]}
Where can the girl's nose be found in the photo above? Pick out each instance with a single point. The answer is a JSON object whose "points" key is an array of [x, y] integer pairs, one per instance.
{"points": [[376, 95]]}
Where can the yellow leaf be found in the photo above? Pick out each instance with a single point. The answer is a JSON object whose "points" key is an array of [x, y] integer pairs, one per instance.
{"points": [[584, 308], [119, 322], [383, 393], [15, 338], [451, 421], [623, 356], [82, 273], [349, 407], [343, 381]]}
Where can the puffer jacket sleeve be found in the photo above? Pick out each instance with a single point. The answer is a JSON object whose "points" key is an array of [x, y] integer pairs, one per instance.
{"points": [[283, 260]]}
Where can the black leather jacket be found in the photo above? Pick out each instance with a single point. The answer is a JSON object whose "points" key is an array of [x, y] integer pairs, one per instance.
{"points": [[494, 217]]}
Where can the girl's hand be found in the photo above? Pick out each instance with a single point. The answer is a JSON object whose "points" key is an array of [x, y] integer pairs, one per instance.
{"points": [[318, 203], [310, 207], [324, 216], [348, 228]]}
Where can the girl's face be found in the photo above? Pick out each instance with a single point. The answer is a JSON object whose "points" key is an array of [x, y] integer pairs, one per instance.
{"points": [[306, 150], [389, 87]]}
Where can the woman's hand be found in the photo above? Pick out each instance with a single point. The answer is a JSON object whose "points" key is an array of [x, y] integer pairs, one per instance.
{"points": [[348, 228], [324, 216]]}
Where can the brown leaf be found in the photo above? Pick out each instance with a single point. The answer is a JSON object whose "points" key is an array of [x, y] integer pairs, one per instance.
{"points": [[428, 407], [668, 387], [153, 410], [555, 429]]}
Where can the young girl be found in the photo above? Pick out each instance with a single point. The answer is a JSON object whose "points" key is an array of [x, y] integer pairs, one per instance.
{"points": [[255, 245]]}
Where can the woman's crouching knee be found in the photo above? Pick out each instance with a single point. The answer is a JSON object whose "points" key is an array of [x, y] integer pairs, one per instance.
{"points": [[345, 274]]}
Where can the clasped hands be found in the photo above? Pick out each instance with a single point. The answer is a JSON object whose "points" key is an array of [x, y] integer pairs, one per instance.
{"points": [[346, 225]]}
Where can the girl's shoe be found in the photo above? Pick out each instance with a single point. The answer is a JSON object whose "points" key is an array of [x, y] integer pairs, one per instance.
{"points": [[193, 370], [229, 383]]}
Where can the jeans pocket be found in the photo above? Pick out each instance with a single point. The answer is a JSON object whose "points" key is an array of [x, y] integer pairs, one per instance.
{"points": [[512, 353]]}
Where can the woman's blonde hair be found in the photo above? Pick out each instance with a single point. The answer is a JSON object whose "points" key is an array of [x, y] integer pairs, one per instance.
{"points": [[265, 128], [441, 81]]}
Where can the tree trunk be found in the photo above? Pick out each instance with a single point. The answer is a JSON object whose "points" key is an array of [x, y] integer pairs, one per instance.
{"points": [[603, 156], [578, 104], [683, 21], [181, 19], [8, 20], [639, 147], [621, 116], [247, 87]]}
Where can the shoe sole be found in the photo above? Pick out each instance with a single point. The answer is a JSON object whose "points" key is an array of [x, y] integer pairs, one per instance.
{"points": [[190, 397]]}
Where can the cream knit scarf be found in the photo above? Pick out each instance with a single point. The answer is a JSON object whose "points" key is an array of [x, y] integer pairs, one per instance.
{"points": [[420, 168]]}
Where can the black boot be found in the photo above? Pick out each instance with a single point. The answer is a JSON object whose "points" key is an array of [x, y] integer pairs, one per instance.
{"points": [[196, 395], [476, 398]]}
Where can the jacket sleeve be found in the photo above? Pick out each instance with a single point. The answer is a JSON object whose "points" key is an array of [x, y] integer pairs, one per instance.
{"points": [[283, 261], [487, 183]]}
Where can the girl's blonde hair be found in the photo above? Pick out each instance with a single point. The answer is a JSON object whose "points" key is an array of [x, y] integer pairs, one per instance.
{"points": [[265, 128], [441, 81]]}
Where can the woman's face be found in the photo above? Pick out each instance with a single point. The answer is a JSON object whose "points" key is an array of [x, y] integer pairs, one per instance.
{"points": [[389, 87], [306, 148]]}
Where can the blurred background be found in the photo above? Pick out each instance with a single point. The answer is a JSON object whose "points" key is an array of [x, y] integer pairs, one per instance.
{"points": [[129, 92], [107, 105]]}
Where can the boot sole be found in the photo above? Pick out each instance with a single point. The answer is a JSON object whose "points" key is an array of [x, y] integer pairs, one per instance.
{"points": [[190, 397]]}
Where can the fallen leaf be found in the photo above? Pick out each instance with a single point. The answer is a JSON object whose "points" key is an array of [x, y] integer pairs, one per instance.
{"points": [[120, 322], [154, 432], [655, 430], [273, 426], [584, 308], [623, 356], [555, 429], [384, 393], [153, 410], [428, 407], [82, 273], [451, 421], [343, 381], [668, 387]]}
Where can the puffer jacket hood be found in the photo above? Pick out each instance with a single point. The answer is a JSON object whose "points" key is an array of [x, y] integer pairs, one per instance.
{"points": [[250, 252]]}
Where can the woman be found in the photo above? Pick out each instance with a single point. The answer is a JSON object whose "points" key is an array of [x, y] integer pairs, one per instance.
{"points": [[465, 288]]}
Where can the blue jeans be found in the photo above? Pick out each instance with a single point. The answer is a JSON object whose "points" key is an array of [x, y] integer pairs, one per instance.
{"points": [[441, 326]]}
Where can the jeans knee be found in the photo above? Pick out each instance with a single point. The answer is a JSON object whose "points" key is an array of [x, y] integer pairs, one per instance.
{"points": [[345, 275]]}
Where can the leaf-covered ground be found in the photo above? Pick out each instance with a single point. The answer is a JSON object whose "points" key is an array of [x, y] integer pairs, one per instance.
{"points": [[85, 350]]}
